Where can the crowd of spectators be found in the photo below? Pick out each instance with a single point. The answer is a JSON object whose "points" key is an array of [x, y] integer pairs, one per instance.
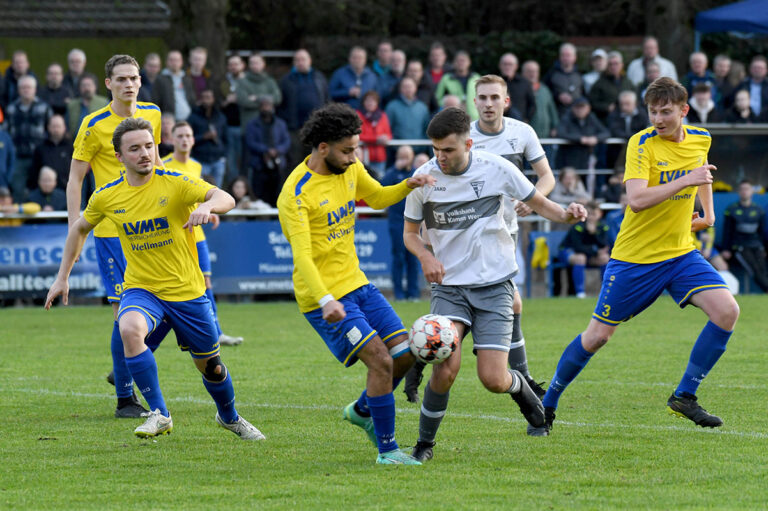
{"points": [[246, 123]]}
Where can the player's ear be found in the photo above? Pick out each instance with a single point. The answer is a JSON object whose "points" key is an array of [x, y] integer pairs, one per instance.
{"points": [[469, 143], [507, 101], [684, 109], [323, 148]]}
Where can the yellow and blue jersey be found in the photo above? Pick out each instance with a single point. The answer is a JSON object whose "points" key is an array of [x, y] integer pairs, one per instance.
{"points": [[191, 168], [317, 216], [161, 256], [93, 144], [663, 231]]}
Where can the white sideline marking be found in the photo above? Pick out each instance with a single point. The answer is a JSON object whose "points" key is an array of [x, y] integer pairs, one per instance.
{"points": [[411, 411]]}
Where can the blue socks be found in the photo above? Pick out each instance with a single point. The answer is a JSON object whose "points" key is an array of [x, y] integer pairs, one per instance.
{"points": [[223, 393], [708, 349], [383, 415], [361, 407], [144, 371], [572, 361], [209, 294], [578, 271], [123, 380]]}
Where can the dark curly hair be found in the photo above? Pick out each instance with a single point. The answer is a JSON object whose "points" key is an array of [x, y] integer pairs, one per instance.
{"points": [[329, 124], [448, 122]]}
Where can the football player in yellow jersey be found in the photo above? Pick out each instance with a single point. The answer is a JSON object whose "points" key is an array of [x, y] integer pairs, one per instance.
{"points": [[93, 150], [317, 214], [150, 208], [183, 139], [666, 168]]}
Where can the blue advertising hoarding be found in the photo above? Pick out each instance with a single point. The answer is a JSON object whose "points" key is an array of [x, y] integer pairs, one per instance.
{"points": [[29, 261]]}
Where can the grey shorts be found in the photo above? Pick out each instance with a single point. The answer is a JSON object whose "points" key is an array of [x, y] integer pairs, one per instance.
{"points": [[487, 311]]}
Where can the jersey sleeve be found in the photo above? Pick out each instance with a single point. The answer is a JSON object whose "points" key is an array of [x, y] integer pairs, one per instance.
{"points": [[515, 184], [638, 161], [533, 149], [93, 213], [293, 212], [375, 195], [414, 206], [86, 144], [193, 190]]}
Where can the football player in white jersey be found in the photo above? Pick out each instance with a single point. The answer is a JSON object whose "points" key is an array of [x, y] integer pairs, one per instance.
{"points": [[516, 141], [473, 263]]}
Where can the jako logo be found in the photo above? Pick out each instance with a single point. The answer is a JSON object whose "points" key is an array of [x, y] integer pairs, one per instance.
{"points": [[145, 226], [335, 216], [119, 211]]}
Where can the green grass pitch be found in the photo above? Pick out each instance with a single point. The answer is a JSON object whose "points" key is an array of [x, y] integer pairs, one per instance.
{"points": [[613, 445]]}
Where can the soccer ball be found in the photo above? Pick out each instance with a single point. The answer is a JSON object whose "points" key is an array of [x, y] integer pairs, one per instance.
{"points": [[433, 338]]}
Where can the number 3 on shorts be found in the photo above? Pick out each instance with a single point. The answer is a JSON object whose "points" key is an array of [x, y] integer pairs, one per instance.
{"points": [[606, 311]]}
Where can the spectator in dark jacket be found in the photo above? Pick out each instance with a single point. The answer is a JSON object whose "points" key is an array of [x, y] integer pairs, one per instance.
{"points": [[757, 86], [173, 91], [75, 69], [149, 74], [624, 122], [744, 235], [388, 83], [231, 110], [54, 92], [519, 89], [349, 83], [55, 152], [47, 194], [198, 74], [703, 109], [7, 159], [721, 67], [564, 79], [580, 126], [586, 244], [304, 90], [425, 89], [210, 128], [741, 112], [268, 142], [699, 73], [19, 67], [26, 118], [604, 94]]}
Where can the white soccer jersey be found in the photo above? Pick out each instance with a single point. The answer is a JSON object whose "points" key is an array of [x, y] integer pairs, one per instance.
{"points": [[464, 215], [515, 141]]}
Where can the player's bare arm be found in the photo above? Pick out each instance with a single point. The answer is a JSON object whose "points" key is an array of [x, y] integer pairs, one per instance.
{"points": [[432, 268], [574, 213], [707, 204], [420, 180], [641, 196], [216, 201], [545, 184], [78, 232], [77, 171]]}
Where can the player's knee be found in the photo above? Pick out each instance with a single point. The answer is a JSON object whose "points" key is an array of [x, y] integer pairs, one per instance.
{"points": [[494, 383], [215, 370], [517, 304], [726, 315], [132, 329], [580, 259], [594, 342]]}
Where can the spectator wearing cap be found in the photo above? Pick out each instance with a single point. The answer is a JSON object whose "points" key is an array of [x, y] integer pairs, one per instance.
{"points": [[698, 73], [598, 61], [349, 83], [54, 92], [564, 80], [47, 195], [636, 71], [519, 89], [604, 95], [703, 109], [581, 127]]}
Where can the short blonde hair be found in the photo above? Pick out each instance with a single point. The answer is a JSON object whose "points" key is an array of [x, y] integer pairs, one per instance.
{"points": [[491, 79]]}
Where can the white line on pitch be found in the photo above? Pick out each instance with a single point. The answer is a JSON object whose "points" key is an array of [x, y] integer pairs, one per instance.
{"points": [[412, 411]]}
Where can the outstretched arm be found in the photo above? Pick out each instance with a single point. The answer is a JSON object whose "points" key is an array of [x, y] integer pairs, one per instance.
{"points": [[78, 232], [552, 211], [545, 184]]}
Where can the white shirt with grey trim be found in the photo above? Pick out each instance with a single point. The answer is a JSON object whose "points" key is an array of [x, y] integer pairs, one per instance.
{"points": [[464, 215], [516, 141]]}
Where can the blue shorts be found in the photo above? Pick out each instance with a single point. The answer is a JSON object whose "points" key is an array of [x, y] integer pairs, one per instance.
{"points": [[629, 288], [109, 256], [191, 320], [368, 314], [204, 258]]}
